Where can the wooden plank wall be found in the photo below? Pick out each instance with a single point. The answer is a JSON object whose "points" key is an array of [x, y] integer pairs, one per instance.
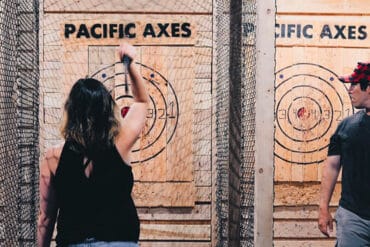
{"points": [[315, 42], [173, 187]]}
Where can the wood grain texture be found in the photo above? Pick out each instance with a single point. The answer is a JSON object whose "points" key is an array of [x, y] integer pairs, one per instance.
{"points": [[305, 243], [175, 232], [323, 6], [198, 212], [299, 212], [140, 6], [167, 194], [298, 229], [301, 194]]}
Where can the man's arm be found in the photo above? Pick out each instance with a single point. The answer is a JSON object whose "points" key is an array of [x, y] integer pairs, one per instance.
{"points": [[329, 178]]}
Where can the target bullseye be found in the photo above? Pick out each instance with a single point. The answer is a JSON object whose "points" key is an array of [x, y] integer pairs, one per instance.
{"points": [[304, 113], [124, 111]]}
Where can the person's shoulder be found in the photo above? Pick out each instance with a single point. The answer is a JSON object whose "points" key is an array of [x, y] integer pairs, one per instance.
{"points": [[52, 157], [357, 116], [54, 152], [351, 121]]}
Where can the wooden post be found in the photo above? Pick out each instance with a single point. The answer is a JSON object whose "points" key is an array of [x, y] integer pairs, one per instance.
{"points": [[264, 154]]}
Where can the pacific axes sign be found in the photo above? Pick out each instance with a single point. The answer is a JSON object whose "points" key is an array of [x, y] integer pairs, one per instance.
{"points": [[159, 32]]}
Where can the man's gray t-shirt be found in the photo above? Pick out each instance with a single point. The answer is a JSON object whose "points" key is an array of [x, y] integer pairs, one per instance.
{"points": [[351, 141]]}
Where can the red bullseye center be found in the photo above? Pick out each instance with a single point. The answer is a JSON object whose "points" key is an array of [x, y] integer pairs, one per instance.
{"points": [[302, 113], [124, 110]]}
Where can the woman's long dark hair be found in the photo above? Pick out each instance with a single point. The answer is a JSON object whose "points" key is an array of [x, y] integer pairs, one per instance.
{"points": [[90, 120]]}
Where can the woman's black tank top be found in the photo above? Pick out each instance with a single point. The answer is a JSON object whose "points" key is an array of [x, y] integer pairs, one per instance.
{"points": [[99, 206]]}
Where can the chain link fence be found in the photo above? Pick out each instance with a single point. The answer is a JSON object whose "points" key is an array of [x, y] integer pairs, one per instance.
{"points": [[19, 100]]}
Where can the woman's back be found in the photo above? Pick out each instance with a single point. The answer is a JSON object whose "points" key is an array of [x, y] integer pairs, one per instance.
{"points": [[98, 205]]}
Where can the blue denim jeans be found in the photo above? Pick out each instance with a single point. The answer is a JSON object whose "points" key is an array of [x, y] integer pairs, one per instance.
{"points": [[352, 230], [91, 242]]}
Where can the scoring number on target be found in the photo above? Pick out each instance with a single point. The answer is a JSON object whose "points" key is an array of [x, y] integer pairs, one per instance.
{"points": [[163, 111], [310, 102]]}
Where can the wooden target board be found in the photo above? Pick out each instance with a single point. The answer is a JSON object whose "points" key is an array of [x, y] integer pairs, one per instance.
{"points": [[310, 101], [163, 154]]}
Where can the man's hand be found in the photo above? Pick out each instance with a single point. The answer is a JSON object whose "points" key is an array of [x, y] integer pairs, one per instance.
{"points": [[325, 221]]}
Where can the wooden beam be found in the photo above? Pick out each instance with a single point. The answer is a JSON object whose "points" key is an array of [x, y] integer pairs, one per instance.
{"points": [[264, 145]]}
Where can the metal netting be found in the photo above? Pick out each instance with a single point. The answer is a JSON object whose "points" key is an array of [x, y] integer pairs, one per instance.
{"points": [[222, 125], [235, 121], [19, 78], [248, 114]]}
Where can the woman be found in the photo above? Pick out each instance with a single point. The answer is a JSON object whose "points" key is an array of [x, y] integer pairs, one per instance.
{"points": [[86, 184]]}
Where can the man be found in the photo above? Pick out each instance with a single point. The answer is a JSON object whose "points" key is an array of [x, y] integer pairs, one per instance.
{"points": [[349, 149]]}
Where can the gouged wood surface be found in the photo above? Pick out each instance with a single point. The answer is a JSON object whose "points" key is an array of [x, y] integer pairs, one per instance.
{"points": [[167, 194], [299, 194]]}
